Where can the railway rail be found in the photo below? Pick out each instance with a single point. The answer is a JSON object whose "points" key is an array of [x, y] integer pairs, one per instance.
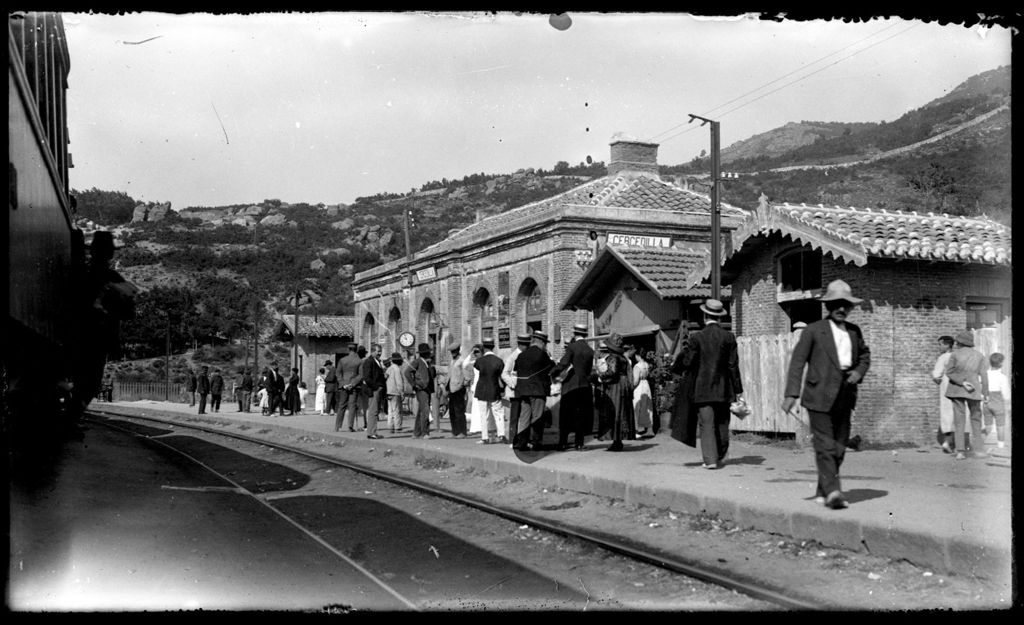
{"points": [[637, 552]]}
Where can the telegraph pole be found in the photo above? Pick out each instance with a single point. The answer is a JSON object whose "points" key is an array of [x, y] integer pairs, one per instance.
{"points": [[295, 335], [408, 250], [167, 362], [716, 212]]}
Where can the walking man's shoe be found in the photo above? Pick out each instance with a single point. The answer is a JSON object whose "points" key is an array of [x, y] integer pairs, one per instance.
{"points": [[835, 501]]}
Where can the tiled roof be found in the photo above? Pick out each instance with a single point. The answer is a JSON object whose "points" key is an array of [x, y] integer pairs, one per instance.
{"points": [[857, 234], [662, 270], [898, 234], [323, 326], [626, 190]]}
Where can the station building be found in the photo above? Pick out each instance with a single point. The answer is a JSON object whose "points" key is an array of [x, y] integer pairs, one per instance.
{"points": [[921, 276], [319, 338], [515, 271]]}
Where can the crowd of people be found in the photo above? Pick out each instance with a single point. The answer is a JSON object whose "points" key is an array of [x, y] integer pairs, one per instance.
{"points": [[512, 400]]}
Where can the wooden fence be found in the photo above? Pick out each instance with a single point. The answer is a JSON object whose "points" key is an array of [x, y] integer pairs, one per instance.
{"points": [[130, 390], [763, 363]]}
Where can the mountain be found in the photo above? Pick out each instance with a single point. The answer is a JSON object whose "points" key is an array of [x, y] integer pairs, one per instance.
{"points": [[215, 270]]}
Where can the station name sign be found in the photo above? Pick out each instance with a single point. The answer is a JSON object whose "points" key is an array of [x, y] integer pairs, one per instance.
{"points": [[426, 274], [638, 240]]}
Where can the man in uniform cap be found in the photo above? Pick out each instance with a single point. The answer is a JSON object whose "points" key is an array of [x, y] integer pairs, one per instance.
{"points": [[533, 385], [456, 392], [836, 358], [512, 403], [576, 414], [488, 392], [967, 370]]}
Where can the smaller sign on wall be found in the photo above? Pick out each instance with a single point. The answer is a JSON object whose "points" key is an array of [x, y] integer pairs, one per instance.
{"points": [[638, 240], [426, 274], [504, 337]]}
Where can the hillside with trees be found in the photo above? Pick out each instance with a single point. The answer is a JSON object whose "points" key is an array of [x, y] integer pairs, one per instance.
{"points": [[210, 276]]}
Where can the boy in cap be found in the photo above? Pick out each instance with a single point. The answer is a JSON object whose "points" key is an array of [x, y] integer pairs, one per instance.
{"points": [[836, 357], [967, 371]]}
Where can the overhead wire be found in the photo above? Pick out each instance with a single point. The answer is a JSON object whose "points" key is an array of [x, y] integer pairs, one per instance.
{"points": [[793, 82]]}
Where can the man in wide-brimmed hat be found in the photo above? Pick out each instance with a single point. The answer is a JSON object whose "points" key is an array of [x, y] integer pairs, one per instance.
{"points": [[576, 413], [967, 370], [836, 358], [710, 360]]}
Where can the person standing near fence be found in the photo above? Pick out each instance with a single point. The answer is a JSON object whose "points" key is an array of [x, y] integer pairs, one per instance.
{"points": [[836, 358], [190, 387], [245, 396], [216, 389], [203, 388]]}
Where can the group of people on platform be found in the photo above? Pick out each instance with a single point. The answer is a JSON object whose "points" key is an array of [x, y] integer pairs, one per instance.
{"points": [[509, 400]]}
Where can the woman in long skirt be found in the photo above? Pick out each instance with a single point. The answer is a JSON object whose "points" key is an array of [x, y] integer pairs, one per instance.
{"points": [[321, 393], [291, 394], [643, 405]]}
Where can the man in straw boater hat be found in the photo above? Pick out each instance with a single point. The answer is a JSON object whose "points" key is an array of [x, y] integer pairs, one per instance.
{"points": [[967, 370], [576, 414], [710, 360], [533, 385], [836, 358], [488, 393]]}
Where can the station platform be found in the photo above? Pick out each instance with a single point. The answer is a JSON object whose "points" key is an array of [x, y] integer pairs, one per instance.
{"points": [[917, 504]]}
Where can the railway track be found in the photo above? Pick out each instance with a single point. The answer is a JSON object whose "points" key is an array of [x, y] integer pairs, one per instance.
{"points": [[633, 551]]}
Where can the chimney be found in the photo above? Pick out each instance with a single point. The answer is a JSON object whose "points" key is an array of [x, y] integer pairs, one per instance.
{"points": [[631, 156]]}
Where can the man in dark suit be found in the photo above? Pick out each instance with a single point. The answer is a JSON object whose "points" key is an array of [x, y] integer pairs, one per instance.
{"points": [[275, 390], [348, 383], [836, 357], [711, 358], [533, 385], [330, 387], [488, 393], [372, 372], [577, 409], [203, 388]]}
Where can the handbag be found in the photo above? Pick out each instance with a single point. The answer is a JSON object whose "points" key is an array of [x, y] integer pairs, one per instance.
{"points": [[740, 409]]}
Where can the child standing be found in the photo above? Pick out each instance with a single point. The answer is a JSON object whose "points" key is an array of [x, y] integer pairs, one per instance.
{"points": [[994, 410]]}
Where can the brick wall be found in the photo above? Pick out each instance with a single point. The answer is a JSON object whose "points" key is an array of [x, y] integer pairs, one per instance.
{"points": [[633, 156], [908, 305]]}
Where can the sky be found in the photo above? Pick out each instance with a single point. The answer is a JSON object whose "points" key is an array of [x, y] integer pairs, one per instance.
{"points": [[212, 110]]}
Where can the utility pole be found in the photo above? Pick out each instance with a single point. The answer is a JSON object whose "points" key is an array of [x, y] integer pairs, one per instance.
{"points": [[167, 362], [295, 335], [716, 212], [408, 252], [255, 313]]}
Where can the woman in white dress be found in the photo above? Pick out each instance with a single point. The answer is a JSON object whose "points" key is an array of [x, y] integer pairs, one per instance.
{"points": [[643, 404], [469, 371], [321, 394]]}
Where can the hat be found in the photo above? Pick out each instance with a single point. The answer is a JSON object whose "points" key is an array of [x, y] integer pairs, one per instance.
{"points": [[454, 347], [523, 337], [423, 349], [541, 335], [327, 362], [964, 337], [713, 307], [488, 341], [601, 345], [614, 344], [579, 328], [103, 240], [396, 356], [839, 290], [352, 346]]}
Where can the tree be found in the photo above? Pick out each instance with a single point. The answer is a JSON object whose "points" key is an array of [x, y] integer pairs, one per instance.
{"points": [[561, 167], [108, 208]]}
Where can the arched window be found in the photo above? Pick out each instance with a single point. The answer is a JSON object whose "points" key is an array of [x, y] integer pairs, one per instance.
{"points": [[395, 328], [427, 324], [484, 314], [532, 305], [369, 330]]}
